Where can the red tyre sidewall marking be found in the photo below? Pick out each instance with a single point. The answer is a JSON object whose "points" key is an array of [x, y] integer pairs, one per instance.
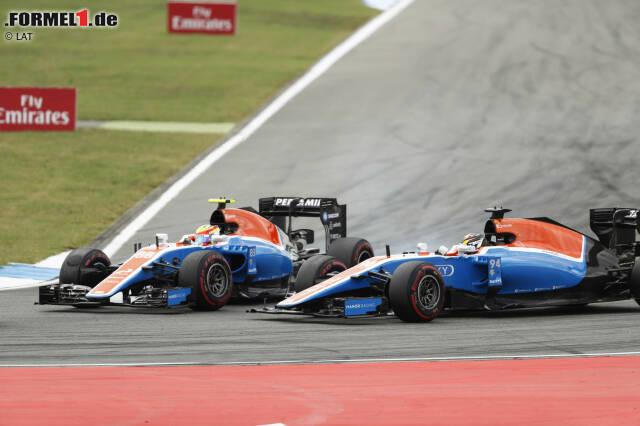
{"points": [[330, 266], [90, 260], [362, 247], [203, 276], [97, 256], [414, 287]]}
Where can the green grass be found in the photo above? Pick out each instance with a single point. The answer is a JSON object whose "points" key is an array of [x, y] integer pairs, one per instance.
{"points": [[61, 190], [61, 201]]}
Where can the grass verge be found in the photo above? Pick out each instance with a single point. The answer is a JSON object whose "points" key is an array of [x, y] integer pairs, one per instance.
{"points": [[61, 201]]}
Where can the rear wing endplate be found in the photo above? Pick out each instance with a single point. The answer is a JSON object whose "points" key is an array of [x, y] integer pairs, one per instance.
{"points": [[615, 227]]}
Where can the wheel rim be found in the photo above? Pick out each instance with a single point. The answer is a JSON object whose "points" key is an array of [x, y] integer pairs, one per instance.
{"points": [[364, 255], [100, 265], [217, 281], [428, 293]]}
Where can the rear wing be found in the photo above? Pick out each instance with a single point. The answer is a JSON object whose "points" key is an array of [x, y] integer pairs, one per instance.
{"points": [[332, 215], [616, 228]]}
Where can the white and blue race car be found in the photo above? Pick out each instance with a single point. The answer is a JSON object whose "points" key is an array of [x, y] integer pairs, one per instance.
{"points": [[240, 253], [516, 263]]}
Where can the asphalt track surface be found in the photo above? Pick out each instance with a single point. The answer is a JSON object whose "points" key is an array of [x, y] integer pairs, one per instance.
{"points": [[449, 108]]}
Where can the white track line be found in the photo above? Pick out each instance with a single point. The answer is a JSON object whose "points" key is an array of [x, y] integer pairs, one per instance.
{"points": [[333, 361], [7, 283], [313, 73]]}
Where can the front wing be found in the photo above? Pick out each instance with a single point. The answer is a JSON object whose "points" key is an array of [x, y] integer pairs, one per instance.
{"points": [[336, 307], [75, 295]]}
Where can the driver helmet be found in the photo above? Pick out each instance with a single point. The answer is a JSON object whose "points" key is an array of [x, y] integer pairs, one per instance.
{"points": [[205, 232], [474, 240]]}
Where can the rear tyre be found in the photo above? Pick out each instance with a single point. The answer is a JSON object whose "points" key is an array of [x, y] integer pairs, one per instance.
{"points": [[416, 292], [634, 281], [350, 250], [317, 269], [208, 275], [85, 266]]}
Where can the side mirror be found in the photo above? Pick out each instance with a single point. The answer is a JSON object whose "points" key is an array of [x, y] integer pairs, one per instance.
{"points": [[304, 234]]}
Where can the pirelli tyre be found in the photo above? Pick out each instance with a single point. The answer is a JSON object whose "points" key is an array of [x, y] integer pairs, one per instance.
{"points": [[634, 281], [416, 292], [85, 266], [208, 275], [317, 269], [350, 250]]}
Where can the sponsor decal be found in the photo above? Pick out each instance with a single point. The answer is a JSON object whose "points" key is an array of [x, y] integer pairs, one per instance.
{"points": [[446, 270], [202, 18], [144, 254], [32, 108], [122, 272], [633, 214], [361, 306], [132, 265], [54, 19], [308, 202], [177, 296], [495, 277]]}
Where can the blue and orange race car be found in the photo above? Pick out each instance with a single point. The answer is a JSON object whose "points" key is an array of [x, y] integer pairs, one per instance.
{"points": [[516, 263], [241, 253]]}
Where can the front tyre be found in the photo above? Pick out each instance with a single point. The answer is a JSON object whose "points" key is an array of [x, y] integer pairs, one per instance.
{"points": [[208, 275], [416, 292], [350, 250], [317, 269], [85, 266]]}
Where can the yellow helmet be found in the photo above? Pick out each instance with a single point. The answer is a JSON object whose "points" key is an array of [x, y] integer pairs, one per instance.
{"points": [[204, 233]]}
